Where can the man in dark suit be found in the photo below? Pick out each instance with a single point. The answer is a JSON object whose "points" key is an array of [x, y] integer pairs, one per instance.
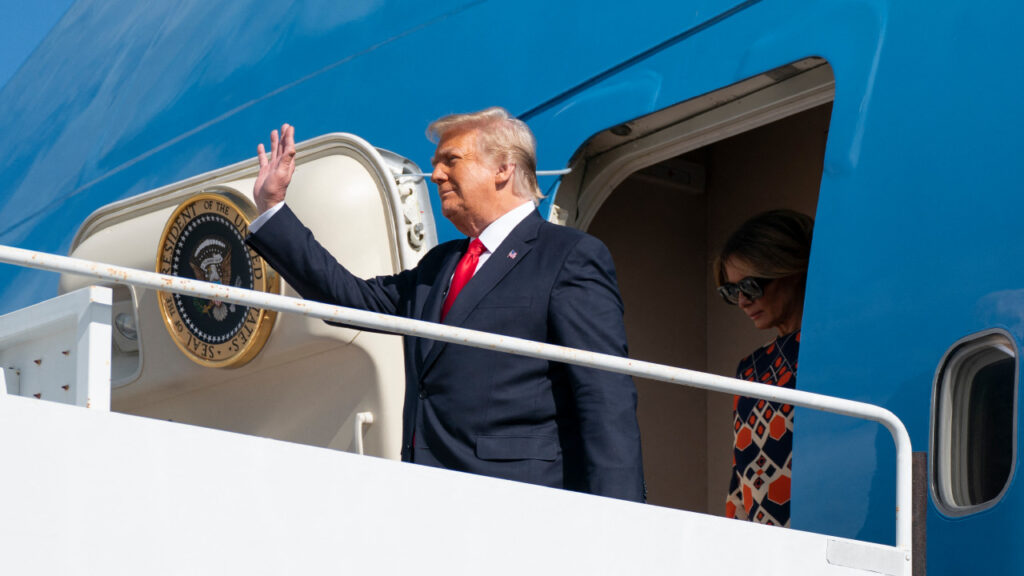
{"points": [[471, 409]]}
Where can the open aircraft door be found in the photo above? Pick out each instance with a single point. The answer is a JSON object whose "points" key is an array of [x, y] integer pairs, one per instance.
{"points": [[255, 372]]}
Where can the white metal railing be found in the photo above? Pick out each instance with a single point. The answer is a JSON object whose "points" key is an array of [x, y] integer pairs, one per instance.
{"points": [[419, 328]]}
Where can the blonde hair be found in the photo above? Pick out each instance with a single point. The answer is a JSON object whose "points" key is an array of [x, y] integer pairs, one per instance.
{"points": [[501, 137], [774, 244]]}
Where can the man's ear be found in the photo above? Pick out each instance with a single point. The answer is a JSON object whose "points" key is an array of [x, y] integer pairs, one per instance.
{"points": [[504, 174]]}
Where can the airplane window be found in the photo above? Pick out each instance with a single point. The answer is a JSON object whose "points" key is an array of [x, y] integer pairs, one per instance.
{"points": [[974, 424]]}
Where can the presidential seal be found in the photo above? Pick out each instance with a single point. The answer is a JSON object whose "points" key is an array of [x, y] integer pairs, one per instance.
{"points": [[204, 240]]}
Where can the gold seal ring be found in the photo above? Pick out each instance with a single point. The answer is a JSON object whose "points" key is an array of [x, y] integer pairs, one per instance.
{"points": [[204, 239]]}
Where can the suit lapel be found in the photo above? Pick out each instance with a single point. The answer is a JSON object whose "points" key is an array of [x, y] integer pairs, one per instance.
{"points": [[509, 254], [435, 298]]}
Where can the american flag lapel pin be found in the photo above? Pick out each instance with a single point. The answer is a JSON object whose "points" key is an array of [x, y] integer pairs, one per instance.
{"points": [[512, 254]]}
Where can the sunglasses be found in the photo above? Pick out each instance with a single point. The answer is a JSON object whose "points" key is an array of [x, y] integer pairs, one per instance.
{"points": [[752, 288]]}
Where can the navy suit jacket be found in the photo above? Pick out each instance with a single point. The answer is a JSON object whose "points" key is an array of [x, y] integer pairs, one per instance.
{"points": [[482, 411]]}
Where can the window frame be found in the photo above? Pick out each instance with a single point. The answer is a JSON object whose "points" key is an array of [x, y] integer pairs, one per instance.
{"points": [[966, 356], [606, 159]]}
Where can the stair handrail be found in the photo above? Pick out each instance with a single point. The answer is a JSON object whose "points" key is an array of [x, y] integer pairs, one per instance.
{"points": [[498, 342]]}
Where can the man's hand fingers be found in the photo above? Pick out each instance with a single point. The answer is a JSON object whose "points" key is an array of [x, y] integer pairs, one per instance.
{"points": [[288, 140], [283, 142], [276, 168], [261, 153]]}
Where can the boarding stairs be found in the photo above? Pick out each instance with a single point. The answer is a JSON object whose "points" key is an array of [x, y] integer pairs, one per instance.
{"points": [[89, 491]]}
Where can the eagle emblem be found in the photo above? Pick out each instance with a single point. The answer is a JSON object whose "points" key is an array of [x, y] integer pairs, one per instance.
{"points": [[211, 262]]}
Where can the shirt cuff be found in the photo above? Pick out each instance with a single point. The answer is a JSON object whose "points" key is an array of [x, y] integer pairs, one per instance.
{"points": [[262, 218]]}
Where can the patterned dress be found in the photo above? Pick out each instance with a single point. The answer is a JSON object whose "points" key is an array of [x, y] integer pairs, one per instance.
{"points": [[763, 437]]}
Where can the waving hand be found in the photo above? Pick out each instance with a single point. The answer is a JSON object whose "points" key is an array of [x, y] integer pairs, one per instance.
{"points": [[276, 170]]}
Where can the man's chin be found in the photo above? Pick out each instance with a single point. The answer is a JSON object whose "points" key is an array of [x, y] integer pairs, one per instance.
{"points": [[451, 213]]}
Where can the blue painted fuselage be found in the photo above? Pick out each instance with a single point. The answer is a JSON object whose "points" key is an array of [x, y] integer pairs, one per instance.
{"points": [[917, 241]]}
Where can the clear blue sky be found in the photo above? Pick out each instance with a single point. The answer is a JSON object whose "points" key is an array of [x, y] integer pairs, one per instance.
{"points": [[26, 23]]}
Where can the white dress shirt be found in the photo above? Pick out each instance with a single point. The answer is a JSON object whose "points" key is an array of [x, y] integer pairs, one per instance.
{"points": [[497, 231], [262, 218]]}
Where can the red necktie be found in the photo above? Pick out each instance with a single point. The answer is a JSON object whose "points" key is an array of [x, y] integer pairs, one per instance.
{"points": [[463, 272]]}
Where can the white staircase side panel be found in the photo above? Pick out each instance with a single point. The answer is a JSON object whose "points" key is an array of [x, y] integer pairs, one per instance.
{"points": [[59, 350], [90, 492]]}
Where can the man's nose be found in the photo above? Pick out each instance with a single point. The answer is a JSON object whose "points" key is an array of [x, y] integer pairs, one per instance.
{"points": [[438, 175]]}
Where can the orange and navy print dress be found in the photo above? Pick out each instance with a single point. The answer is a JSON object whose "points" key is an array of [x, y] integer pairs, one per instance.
{"points": [[762, 464]]}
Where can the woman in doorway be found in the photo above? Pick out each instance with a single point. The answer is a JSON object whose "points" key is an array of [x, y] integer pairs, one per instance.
{"points": [[762, 269]]}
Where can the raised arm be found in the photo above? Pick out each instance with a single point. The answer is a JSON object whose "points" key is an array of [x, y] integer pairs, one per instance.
{"points": [[275, 170]]}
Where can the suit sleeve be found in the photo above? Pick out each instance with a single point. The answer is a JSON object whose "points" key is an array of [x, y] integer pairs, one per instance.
{"points": [[586, 312], [290, 248]]}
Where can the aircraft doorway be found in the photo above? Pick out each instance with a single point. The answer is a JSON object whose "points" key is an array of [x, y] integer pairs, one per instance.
{"points": [[663, 222]]}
